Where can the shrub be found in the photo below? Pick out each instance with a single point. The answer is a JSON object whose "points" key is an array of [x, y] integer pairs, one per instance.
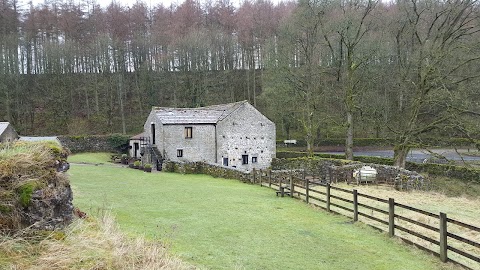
{"points": [[147, 166], [118, 141]]}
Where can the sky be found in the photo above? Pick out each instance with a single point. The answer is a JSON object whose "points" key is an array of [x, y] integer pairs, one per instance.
{"points": [[129, 3], [105, 3]]}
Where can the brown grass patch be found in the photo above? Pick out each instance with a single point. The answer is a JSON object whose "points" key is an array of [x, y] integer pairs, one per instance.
{"points": [[86, 244]]}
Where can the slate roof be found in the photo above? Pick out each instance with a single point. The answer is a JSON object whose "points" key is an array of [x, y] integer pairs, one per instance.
{"points": [[3, 126], [201, 115], [138, 136]]}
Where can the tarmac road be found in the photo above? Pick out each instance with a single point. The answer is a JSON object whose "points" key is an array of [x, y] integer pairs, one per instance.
{"points": [[417, 155]]}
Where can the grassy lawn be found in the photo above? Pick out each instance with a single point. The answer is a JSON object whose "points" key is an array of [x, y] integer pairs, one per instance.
{"points": [[225, 224], [93, 158]]}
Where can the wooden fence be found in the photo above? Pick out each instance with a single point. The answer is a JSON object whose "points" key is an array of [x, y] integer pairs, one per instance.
{"points": [[444, 235]]}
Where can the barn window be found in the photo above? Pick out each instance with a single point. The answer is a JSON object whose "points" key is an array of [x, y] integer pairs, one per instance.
{"points": [[188, 132], [254, 159], [244, 159], [179, 152]]}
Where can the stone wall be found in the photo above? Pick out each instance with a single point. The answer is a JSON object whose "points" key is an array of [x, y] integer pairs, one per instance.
{"points": [[325, 170], [208, 169], [50, 208], [253, 177], [200, 147], [246, 132], [336, 170], [108, 143], [34, 191]]}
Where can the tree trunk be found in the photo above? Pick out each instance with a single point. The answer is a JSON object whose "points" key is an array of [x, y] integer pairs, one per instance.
{"points": [[400, 156], [120, 96], [349, 137], [349, 104]]}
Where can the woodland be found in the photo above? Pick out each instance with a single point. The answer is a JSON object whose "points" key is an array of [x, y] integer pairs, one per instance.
{"points": [[407, 70]]}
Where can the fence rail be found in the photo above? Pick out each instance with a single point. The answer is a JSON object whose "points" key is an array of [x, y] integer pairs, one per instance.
{"points": [[466, 252]]}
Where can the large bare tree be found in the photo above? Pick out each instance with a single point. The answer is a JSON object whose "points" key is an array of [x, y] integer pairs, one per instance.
{"points": [[436, 52]]}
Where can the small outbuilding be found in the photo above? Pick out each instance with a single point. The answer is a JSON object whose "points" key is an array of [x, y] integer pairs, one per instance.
{"points": [[7, 133], [232, 135], [137, 144]]}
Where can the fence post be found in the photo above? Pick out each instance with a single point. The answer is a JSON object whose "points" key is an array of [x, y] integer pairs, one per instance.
{"points": [[260, 177], [391, 217], [253, 172], [328, 197], [355, 205], [443, 237], [291, 185], [269, 178], [307, 189]]}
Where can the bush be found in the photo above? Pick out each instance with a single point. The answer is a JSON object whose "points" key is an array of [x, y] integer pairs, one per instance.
{"points": [[119, 141]]}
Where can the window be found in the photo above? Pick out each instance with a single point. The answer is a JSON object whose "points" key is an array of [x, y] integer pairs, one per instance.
{"points": [[179, 152], [188, 132], [244, 159], [254, 159], [225, 161]]}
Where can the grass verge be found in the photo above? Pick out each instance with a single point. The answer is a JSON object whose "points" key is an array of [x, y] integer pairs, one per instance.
{"points": [[225, 224], [86, 244]]}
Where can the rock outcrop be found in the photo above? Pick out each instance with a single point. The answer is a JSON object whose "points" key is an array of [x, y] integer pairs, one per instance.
{"points": [[34, 191]]}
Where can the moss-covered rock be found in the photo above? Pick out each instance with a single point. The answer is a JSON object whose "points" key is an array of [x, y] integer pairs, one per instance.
{"points": [[32, 190]]}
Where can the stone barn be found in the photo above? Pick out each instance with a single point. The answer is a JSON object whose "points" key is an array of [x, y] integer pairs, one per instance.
{"points": [[232, 135], [7, 133]]}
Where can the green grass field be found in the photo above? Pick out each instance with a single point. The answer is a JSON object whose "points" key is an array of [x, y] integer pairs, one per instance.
{"points": [[93, 158], [225, 224]]}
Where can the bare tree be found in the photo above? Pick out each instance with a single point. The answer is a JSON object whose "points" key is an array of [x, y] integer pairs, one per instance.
{"points": [[435, 54]]}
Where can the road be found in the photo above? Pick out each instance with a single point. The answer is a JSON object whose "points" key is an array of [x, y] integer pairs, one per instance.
{"points": [[417, 155]]}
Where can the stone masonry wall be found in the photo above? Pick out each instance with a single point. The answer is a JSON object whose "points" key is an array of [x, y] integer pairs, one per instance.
{"points": [[201, 147], [246, 132], [335, 170], [209, 169], [99, 143], [324, 169]]}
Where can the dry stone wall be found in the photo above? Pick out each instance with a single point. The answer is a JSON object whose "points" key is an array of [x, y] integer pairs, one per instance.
{"points": [[205, 168], [95, 143], [336, 170]]}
